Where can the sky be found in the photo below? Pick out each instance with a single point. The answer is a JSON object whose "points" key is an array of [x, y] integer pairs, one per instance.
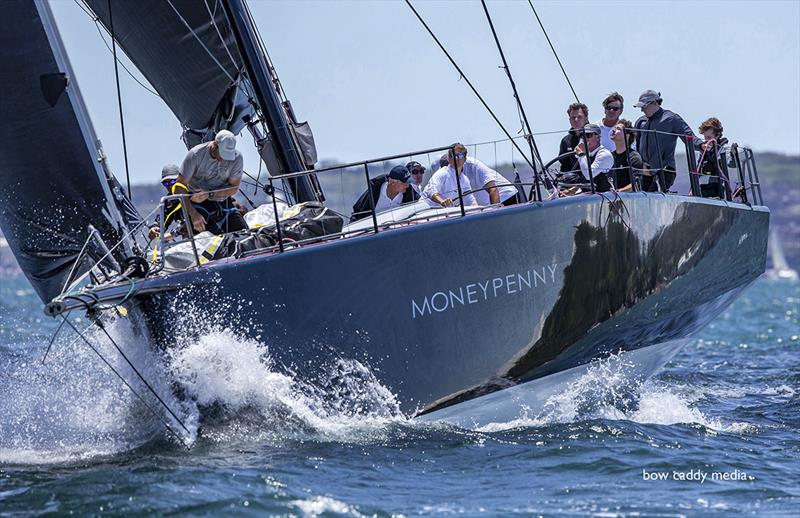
{"points": [[372, 82]]}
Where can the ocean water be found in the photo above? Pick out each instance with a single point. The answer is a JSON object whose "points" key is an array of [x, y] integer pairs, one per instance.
{"points": [[715, 431]]}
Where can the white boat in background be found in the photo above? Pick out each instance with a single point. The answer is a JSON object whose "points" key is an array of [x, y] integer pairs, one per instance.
{"points": [[780, 268]]}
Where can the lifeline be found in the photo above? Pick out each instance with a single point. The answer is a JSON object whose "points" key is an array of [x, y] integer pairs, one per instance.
{"points": [[483, 291]]}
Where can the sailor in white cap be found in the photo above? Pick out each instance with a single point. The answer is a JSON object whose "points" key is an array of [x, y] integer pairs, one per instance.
{"points": [[212, 172]]}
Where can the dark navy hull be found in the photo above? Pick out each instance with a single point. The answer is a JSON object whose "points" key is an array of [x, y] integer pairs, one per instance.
{"points": [[446, 312]]}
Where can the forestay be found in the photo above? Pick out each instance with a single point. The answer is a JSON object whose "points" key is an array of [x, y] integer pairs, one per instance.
{"points": [[53, 181]]}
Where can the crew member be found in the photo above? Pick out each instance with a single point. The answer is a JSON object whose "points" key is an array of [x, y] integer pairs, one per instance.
{"points": [[627, 161], [578, 114], [442, 188], [212, 172], [490, 187], [385, 192], [417, 171], [657, 133], [600, 158], [712, 163], [173, 213], [612, 106]]}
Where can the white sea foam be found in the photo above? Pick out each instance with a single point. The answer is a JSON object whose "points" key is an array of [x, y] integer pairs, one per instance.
{"points": [[73, 407], [607, 391], [238, 375], [323, 505]]}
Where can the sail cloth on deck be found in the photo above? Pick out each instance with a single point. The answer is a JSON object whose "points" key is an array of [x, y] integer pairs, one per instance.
{"points": [[190, 61], [52, 185]]}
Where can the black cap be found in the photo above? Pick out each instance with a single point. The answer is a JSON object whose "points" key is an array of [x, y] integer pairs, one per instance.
{"points": [[414, 166], [592, 128], [399, 172]]}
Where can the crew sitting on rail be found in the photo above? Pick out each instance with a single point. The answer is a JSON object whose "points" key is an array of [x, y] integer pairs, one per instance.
{"points": [[712, 163], [385, 192], [212, 172], [173, 213], [491, 188], [627, 161], [417, 171]]}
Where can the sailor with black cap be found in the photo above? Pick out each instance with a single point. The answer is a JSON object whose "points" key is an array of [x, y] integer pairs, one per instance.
{"points": [[385, 192], [601, 158], [656, 135], [417, 171]]}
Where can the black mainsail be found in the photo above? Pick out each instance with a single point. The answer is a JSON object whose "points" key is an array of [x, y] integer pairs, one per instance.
{"points": [[55, 181], [205, 61], [184, 50]]}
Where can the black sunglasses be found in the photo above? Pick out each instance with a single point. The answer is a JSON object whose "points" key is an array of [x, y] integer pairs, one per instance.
{"points": [[418, 171], [614, 108]]}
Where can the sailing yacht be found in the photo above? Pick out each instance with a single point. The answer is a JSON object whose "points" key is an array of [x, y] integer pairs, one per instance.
{"points": [[527, 296], [780, 267]]}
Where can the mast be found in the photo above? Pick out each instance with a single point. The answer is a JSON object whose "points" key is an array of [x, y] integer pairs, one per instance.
{"points": [[281, 134]]}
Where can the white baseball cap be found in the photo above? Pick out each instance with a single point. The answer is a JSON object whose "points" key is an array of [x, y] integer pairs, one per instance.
{"points": [[226, 144]]}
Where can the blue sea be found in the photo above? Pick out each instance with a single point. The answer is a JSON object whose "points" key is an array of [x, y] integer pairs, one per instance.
{"points": [[714, 432]]}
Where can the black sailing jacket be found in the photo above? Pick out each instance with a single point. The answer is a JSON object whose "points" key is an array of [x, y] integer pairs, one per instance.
{"points": [[658, 149], [363, 206]]}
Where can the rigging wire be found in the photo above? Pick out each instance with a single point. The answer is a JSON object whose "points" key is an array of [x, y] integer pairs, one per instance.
{"points": [[526, 126], [130, 387], [554, 50], [119, 102], [139, 375], [52, 340], [200, 41], [98, 26], [589, 158], [213, 22], [469, 83]]}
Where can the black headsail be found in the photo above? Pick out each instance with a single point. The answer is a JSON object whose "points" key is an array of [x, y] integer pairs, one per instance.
{"points": [[204, 59], [53, 175]]}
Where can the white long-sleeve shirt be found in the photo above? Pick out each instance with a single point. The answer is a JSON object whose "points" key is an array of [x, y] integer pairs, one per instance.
{"points": [[480, 174], [443, 183], [603, 162]]}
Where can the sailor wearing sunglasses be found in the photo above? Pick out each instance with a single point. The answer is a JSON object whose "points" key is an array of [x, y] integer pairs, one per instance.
{"points": [[442, 189], [492, 187], [612, 105], [417, 172]]}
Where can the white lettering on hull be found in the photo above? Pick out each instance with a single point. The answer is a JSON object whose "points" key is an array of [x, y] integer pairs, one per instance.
{"points": [[483, 291]]}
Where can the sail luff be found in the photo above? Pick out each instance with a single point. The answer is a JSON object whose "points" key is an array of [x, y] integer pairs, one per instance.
{"points": [[54, 181], [82, 114]]}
